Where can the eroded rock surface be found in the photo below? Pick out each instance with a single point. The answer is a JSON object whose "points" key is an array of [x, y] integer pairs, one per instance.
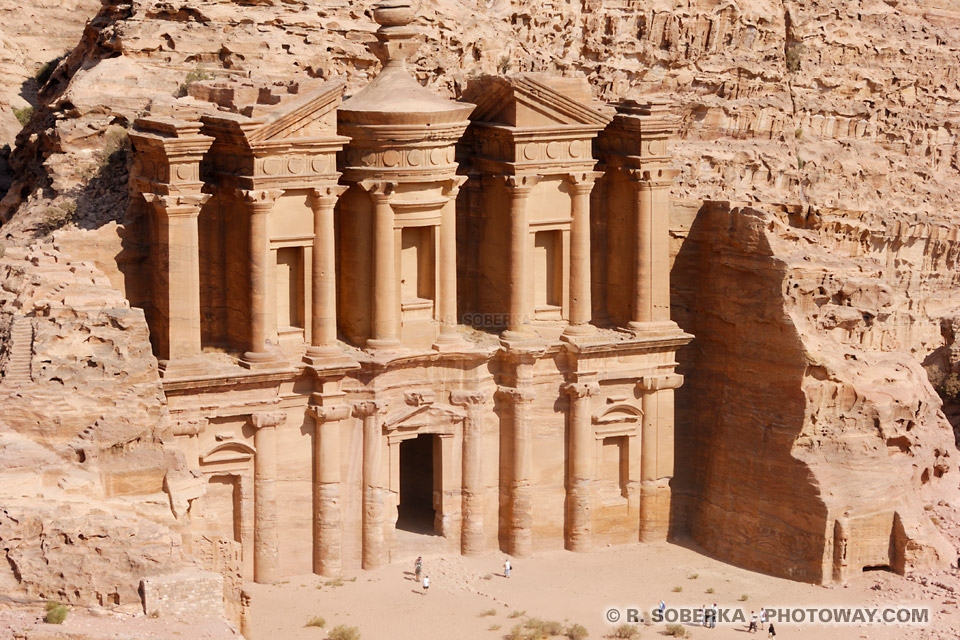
{"points": [[83, 513], [816, 438]]}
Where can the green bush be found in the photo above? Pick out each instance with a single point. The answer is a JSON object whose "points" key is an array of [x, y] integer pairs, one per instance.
{"points": [[196, 75], [23, 115], [56, 613], [626, 631], [343, 632], [794, 52], [316, 621]]}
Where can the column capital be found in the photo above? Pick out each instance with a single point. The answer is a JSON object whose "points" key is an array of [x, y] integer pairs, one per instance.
{"points": [[177, 205], [517, 395], [581, 389], [582, 181], [653, 177], [189, 427], [326, 196], [657, 383], [259, 200], [379, 190], [467, 397], [367, 408], [451, 187], [267, 419], [329, 413]]}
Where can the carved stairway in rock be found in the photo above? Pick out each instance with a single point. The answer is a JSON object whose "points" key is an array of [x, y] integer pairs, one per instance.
{"points": [[21, 343]]}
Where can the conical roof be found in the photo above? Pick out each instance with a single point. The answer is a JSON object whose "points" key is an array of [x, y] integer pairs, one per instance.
{"points": [[394, 96]]}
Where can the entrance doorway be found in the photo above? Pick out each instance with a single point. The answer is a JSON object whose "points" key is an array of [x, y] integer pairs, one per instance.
{"points": [[418, 481]]}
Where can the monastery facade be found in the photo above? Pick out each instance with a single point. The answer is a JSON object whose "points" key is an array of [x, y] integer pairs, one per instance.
{"points": [[449, 318]]}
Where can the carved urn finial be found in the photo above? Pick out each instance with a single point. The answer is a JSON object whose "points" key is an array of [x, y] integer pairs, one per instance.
{"points": [[396, 39]]}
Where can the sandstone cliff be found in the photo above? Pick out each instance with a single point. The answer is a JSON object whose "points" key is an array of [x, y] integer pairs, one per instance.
{"points": [[805, 401], [83, 513]]}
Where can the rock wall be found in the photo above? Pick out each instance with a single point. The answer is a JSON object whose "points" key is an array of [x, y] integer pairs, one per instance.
{"points": [[814, 440], [83, 513]]}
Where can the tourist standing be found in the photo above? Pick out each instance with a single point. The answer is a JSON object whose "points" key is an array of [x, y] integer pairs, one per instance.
{"points": [[426, 584], [772, 632], [506, 568], [753, 622], [418, 568]]}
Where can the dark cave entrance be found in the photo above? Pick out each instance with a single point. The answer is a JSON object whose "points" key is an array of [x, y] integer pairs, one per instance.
{"points": [[418, 480]]}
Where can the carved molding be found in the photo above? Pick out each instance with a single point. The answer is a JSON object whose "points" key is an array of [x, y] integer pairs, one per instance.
{"points": [[657, 383], [465, 397], [267, 419], [581, 389]]}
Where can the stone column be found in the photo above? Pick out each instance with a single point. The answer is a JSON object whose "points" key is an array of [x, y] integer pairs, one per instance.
{"points": [[520, 534], [385, 305], [178, 296], [323, 315], [373, 553], [581, 466], [266, 545], [471, 533], [449, 337], [651, 293], [581, 185], [521, 309], [259, 204], [326, 499], [656, 455]]}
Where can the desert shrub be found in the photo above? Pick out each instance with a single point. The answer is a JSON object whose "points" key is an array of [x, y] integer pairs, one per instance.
{"points": [[488, 576], [196, 75], [493, 627], [677, 589], [316, 621], [576, 632], [56, 613], [516, 633], [516, 614], [336, 582], [794, 52], [46, 70], [503, 66], [693, 576], [488, 612], [552, 627], [23, 115], [626, 631], [676, 630], [710, 590], [744, 597], [57, 216], [343, 632]]}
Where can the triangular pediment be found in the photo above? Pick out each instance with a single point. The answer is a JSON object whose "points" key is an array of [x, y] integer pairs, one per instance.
{"points": [[532, 101], [424, 415], [312, 117]]}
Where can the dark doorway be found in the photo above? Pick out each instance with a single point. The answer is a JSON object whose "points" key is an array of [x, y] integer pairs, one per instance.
{"points": [[415, 512]]}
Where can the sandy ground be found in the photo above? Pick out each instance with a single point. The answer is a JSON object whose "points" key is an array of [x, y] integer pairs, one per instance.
{"points": [[108, 625], [579, 588]]}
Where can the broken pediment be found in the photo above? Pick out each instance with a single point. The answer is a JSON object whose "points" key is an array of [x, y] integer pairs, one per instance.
{"points": [[530, 100], [427, 415], [311, 117]]}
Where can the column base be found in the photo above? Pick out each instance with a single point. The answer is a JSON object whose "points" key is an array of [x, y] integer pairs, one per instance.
{"points": [[659, 327], [655, 499], [525, 334], [182, 367], [260, 360], [449, 341], [578, 330], [328, 357], [383, 344]]}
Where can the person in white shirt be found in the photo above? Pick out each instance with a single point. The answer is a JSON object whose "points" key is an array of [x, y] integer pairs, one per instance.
{"points": [[426, 584], [506, 568]]}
